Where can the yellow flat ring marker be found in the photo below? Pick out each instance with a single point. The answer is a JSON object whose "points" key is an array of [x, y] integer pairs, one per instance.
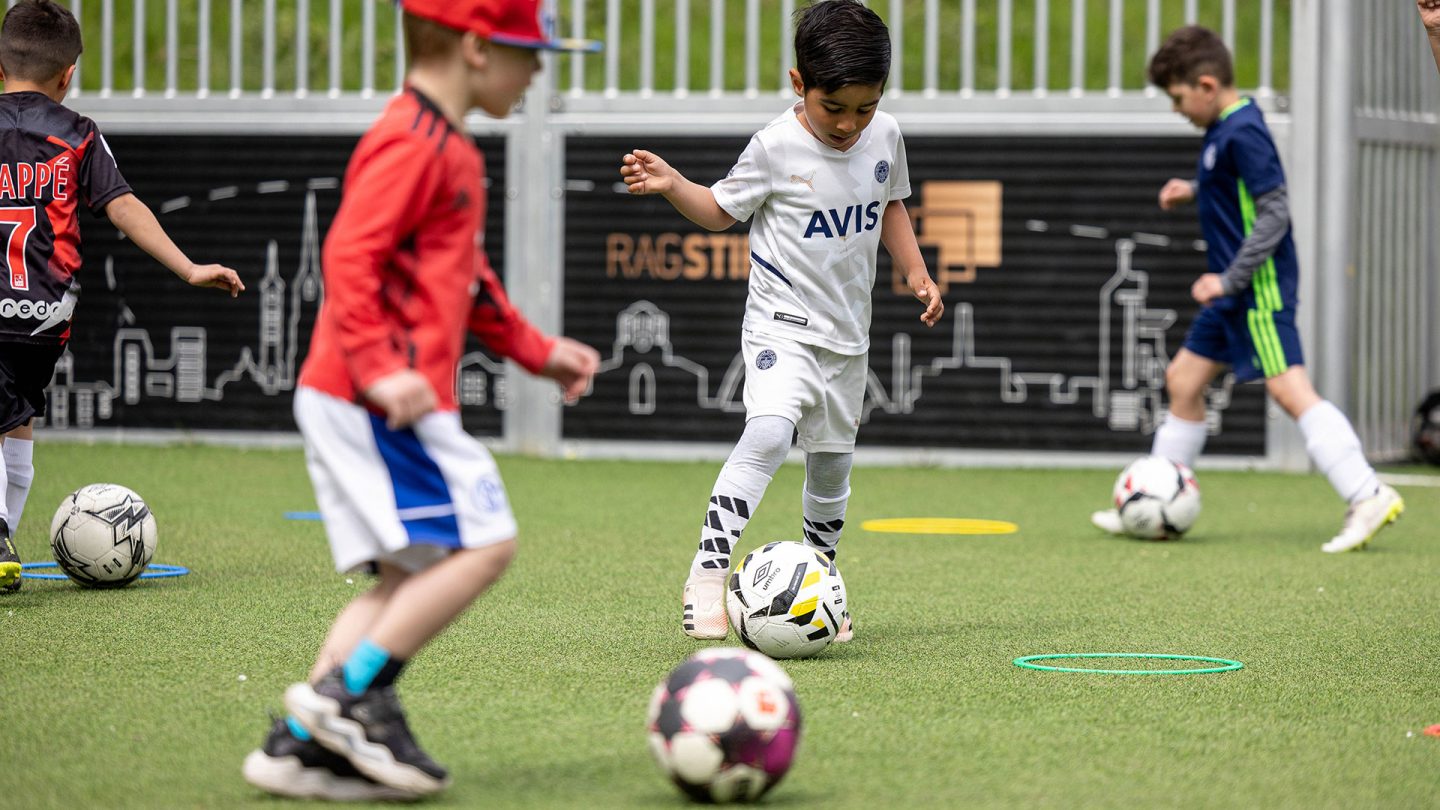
{"points": [[939, 526]]}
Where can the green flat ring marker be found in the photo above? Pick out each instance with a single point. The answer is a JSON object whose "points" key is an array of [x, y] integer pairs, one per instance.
{"points": [[939, 526], [1225, 664]]}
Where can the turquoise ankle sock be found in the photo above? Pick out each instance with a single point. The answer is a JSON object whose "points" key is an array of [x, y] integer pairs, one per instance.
{"points": [[297, 730], [363, 665]]}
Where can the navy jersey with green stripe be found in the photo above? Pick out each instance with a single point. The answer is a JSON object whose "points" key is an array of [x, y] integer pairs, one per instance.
{"points": [[1239, 164]]}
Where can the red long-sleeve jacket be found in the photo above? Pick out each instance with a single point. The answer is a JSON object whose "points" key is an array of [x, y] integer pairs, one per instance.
{"points": [[404, 266]]}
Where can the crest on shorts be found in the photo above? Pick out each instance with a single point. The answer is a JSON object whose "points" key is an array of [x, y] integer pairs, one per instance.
{"points": [[882, 171], [765, 359]]}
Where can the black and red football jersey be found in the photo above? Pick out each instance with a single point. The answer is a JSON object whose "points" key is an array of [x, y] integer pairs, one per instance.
{"points": [[51, 159]]}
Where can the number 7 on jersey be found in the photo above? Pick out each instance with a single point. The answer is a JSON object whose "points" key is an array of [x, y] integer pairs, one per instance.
{"points": [[23, 218]]}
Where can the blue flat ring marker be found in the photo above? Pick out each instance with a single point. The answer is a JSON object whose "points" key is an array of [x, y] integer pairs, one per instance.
{"points": [[1224, 664], [302, 515], [152, 571]]}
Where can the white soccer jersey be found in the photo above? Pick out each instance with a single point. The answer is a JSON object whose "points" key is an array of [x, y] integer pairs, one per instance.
{"points": [[817, 227]]}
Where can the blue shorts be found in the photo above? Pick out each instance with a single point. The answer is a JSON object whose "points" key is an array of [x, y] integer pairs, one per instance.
{"points": [[1255, 343]]}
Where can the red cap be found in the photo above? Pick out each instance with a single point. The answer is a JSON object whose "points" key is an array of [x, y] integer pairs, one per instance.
{"points": [[518, 23]]}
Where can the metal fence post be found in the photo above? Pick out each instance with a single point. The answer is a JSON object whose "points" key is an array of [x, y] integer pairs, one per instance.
{"points": [[1336, 171], [534, 195]]}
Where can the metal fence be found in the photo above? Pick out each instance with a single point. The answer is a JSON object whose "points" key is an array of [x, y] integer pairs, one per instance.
{"points": [[1346, 85], [274, 49]]}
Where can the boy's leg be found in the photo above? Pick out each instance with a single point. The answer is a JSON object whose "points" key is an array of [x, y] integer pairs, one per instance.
{"points": [[9, 557], [1181, 437], [1336, 450], [19, 455], [827, 492], [737, 492], [354, 711]]}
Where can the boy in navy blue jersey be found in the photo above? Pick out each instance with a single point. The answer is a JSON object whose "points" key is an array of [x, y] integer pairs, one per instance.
{"points": [[52, 159], [1248, 298]]}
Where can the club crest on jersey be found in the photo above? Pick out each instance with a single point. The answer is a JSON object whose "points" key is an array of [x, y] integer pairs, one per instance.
{"points": [[851, 220], [882, 171], [765, 359], [1210, 152]]}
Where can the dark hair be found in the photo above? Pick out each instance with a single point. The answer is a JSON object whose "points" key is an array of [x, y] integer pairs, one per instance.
{"points": [[38, 40], [1188, 54], [427, 39], [839, 43]]}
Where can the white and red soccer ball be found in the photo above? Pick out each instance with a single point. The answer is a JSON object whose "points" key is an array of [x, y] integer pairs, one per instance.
{"points": [[1158, 499], [724, 725]]}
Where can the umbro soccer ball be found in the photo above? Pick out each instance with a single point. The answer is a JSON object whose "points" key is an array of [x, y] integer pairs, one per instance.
{"points": [[786, 600], [103, 536], [1158, 499], [724, 725]]}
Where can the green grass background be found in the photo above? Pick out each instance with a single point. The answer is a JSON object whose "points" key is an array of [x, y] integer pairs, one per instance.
{"points": [[1097, 26], [537, 697]]}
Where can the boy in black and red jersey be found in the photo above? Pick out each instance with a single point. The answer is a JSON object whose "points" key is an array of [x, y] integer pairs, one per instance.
{"points": [[51, 160], [404, 492]]}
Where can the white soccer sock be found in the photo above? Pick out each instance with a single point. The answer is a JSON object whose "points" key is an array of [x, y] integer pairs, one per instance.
{"points": [[1336, 450], [5, 487], [20, 474], [827, 491], [738, 490], [1179, 440]]}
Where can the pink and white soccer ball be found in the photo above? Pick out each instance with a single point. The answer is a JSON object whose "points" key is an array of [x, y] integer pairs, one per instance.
{"points": [[1158, 499], [724, 725]]}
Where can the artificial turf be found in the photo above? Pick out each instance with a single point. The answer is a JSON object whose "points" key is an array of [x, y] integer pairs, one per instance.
{"points": [[151, 696]]}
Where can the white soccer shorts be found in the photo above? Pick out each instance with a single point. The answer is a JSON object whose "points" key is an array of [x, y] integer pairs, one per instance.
{"points": [[821, 391], [407, 497]]}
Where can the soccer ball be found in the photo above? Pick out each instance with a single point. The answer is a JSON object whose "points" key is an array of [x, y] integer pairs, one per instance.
{"points": [[103, 536], [1158, 499], [786, 600], [724, 725]]}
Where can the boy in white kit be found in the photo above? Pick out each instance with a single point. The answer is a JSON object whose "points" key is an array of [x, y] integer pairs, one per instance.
{"points": [[824, 183]]}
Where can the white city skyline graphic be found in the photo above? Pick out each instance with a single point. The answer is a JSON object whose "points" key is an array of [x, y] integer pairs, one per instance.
{"points": [[142, 369]]}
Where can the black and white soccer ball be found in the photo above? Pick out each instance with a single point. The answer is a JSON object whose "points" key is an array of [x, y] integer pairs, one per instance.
{"points": [[1158, 499], [103, 536], [724, 725], [786, 600]]}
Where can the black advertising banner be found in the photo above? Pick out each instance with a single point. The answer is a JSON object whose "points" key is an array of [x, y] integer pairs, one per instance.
{"points": [[148, 351], [1066, 292]]}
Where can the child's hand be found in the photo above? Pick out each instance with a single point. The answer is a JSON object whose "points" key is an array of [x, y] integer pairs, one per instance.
{"points": [[1177, 192], [572, 364], [646, 173], [1207, 288], [215, 275], [928, 294], [403, 395], [1430, 15]]}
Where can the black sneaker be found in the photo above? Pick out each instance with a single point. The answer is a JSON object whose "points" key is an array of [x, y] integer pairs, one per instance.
{"points": [[302, 769], [369, 730], [9, 562]]}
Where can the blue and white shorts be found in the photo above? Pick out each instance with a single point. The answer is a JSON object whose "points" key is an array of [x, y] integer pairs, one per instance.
{"points": [[406, 497]]}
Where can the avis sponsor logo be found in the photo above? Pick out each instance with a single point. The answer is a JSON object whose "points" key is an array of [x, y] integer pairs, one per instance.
{"points": [[855, 219], [36, 310]]}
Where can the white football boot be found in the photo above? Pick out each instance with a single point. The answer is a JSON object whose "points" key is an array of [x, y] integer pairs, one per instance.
{"points": [[705, 607], [1364, 519], [1108, 520]]}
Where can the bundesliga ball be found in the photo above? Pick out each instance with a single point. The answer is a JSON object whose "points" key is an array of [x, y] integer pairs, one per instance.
{"points": [[1158, 499], [103, 536], [724, 725], [786, 600]]}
